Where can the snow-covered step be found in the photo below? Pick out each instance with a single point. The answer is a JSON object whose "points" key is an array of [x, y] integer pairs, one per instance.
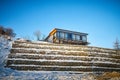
{"points": [[47, 52], [47, 47], [60, 48], [48, 68], [65, 66], [61, 57], [62, 63], [44, 43], [62, 68], [57, 52], [33, 42], [50, 57], [46, 56], [79, 47], [93, 50]]}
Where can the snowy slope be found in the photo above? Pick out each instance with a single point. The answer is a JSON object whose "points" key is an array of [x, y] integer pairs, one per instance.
{"points": [[5, 46], [9, 74], [61, 57]]}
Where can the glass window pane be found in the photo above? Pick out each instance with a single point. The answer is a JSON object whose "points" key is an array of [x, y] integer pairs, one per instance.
{"points": [[69, 36], [73, 37], [84, 38], [80, 37], [66, 36], [77, 37], [61, 35], [57, 35]]}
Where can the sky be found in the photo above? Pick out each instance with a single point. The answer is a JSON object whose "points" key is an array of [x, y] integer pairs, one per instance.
{"points": [[99, 18]]}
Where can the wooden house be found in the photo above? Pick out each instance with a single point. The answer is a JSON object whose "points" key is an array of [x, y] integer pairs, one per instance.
{"points": [[67, 37]]}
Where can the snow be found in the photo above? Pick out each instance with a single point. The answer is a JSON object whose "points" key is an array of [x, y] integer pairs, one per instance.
{"points": [[41, 42], [47, 50], [5, 46], [63, 66], [100, 59], [68, 56], [81, 48], [44, 60], [9, 74]]}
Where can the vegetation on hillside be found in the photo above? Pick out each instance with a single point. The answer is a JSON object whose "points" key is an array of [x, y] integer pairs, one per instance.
{"points": [[7, 31]]}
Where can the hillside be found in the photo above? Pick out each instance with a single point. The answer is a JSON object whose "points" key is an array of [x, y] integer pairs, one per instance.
{"points": [[26, 56], [45, 56]]}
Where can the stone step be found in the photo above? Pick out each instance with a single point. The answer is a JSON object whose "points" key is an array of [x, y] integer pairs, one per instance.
{"points": [[60, 52], [62, 63], [50, 57], [48, 52], [45, 43], [59, 48], [82, 47], [47, 47], [34, 42], [61, 57], [44, 56], [61, 68]]}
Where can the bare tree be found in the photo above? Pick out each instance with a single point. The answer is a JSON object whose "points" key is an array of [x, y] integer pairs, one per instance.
{"points": [[43, 37], [117, 46], [37, 34]]}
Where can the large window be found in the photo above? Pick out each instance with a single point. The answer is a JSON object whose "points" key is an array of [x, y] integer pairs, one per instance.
{"points": [[66, 36], [84, 38], [69, 36], [61, 35], [57, 35], [73, 36], [77, 37], [80, 37]]}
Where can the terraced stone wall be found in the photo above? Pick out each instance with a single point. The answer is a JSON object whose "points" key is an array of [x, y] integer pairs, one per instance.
{"points": [[43, 56]]}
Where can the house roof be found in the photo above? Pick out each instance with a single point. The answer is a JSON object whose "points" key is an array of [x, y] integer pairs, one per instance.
{"points": [[68, 31]]}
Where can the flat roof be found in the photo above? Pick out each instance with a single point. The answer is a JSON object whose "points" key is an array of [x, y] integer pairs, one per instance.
{"points": [[68, 31]]}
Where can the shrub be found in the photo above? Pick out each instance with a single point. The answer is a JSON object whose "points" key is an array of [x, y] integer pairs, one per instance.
{"points": [[7, 31]]}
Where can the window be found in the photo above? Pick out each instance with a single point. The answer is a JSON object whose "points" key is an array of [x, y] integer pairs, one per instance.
{"points": [[69, 36], [77, 37], [57, 35], [61, 35], [66, 36], [73, 37], [84, 38], [80, 37]]}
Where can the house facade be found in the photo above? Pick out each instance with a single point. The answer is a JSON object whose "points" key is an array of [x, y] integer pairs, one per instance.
{"points": [[67, 37]]}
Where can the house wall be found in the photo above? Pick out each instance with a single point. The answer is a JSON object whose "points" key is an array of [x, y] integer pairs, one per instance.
{"points": [[70, 36], [64, 36], [50, 39]]}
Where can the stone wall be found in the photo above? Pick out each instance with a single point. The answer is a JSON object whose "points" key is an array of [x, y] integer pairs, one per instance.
{"points": [[43, 56]]}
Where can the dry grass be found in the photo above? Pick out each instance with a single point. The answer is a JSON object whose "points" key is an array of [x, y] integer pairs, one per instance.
{"points": [[109, 76]]}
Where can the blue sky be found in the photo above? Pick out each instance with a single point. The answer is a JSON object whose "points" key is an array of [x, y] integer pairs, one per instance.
{"points": [[99, 18]]}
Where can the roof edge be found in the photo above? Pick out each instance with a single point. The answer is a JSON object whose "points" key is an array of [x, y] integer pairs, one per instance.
{"points": [[71, 31]]}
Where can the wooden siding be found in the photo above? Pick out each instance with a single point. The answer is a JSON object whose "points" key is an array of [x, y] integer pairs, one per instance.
{"points": [[53, 32]]}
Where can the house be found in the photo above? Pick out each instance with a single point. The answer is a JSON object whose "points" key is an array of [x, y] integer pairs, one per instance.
{"points": [[67, 37]]}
